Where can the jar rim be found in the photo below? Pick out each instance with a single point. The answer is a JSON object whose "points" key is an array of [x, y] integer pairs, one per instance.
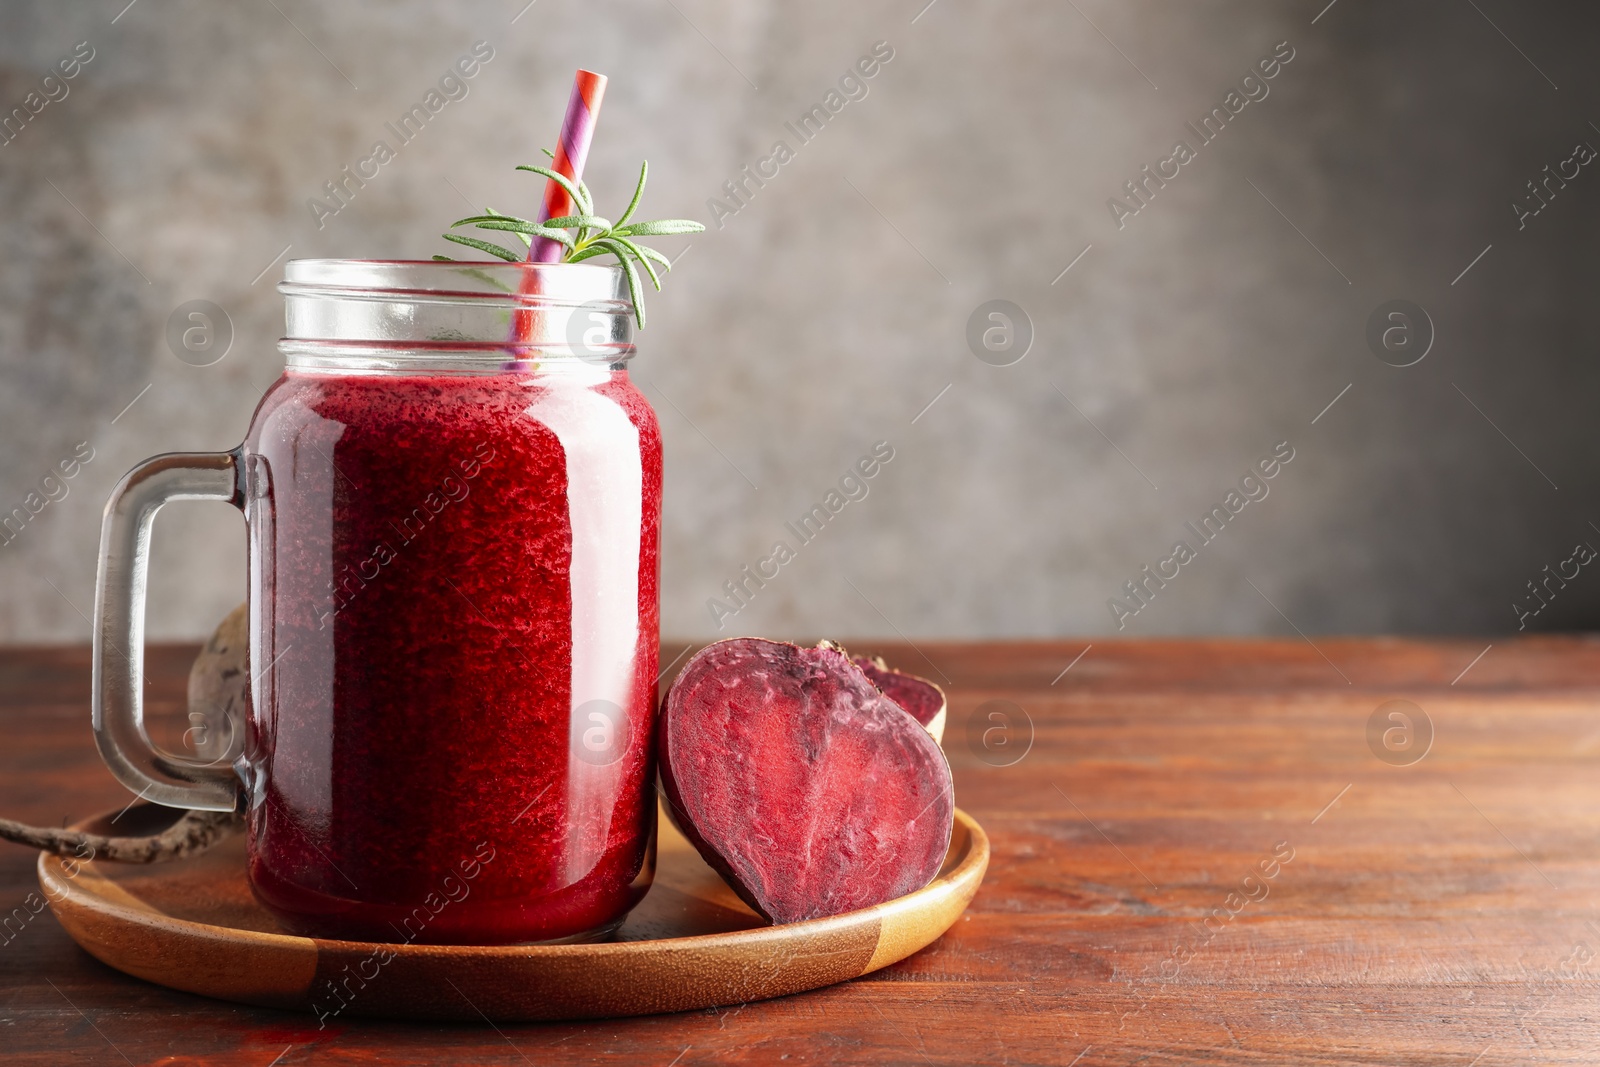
{"points": [[577, 282], [389, 314]]}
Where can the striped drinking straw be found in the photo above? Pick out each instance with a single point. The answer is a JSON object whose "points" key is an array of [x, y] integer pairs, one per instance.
{"points": [[572, 150], [577, 130]]}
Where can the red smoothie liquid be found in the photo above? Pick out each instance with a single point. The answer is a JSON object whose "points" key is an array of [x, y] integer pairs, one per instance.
{"points": [[457, 580]]}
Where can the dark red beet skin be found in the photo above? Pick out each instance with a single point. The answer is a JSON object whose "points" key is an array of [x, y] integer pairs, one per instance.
{"points": [[919, 697], [810, 791]]}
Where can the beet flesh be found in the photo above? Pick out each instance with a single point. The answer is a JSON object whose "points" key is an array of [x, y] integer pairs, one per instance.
{"points": [[807, 789], [920, 698]]}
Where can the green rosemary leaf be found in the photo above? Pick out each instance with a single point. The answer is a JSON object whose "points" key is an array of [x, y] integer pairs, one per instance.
{"points": [[638, 194], [443, 259], [588, 253], [490, 223], [638, 253], [492, 216], [587, 222], [659, 228], [525, 228], [484, 246], [574, 191], [650, 253], [635, 290]]}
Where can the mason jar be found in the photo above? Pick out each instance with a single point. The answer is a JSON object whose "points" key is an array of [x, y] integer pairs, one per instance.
{"points": [[453, 502]]}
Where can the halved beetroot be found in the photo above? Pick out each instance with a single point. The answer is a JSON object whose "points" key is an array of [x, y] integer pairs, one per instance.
{"points": [[807, 789], [918, 696]]}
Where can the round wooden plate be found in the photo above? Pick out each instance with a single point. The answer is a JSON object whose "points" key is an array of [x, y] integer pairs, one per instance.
{"points": [[194, 925]]}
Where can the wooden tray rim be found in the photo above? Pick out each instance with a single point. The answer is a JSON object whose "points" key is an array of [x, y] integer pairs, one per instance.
{"points": [[969, 868]]}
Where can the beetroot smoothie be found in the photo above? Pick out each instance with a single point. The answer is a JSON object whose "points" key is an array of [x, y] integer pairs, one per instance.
{"points": [[456, 581]]}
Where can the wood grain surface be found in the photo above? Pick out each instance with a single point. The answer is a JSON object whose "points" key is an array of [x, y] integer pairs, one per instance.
{"points": [[1198, 859]]}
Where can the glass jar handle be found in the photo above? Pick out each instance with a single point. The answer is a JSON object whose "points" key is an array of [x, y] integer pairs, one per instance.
{"points": [[119, 600]]}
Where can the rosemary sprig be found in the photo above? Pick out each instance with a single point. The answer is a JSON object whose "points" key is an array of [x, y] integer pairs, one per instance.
{"points": [[584, 235]]}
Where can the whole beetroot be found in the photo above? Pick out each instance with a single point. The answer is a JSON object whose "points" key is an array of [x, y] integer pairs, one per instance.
{"points": [[804, 786]]}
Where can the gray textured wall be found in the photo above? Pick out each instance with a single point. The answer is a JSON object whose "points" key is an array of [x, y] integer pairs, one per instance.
{"points": [[830, 310]]}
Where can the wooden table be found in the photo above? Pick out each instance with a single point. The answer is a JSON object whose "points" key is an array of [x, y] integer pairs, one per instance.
{"points": [[1431, 913]]}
